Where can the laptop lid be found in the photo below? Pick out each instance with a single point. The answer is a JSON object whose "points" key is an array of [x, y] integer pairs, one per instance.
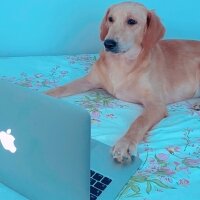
{"points": [[44, 145]]}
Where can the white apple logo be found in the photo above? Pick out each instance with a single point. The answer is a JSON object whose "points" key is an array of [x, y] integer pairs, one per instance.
{"points": [[7, 141]]}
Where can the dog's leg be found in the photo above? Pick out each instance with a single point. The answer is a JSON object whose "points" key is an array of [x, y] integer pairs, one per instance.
{"points": [[153, 113], [78, 86]]}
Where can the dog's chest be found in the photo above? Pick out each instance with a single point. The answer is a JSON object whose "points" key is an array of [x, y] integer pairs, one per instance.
{"points": [[120, 82]]}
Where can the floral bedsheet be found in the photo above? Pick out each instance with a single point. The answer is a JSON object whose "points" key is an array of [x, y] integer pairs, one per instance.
{"points": [[171, 155]]}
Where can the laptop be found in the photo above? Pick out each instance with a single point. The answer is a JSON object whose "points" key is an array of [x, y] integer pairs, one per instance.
{"points": [[46, 151]]}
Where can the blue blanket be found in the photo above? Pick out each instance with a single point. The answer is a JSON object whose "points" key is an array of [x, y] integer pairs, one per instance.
{"points": [[171, 155]]}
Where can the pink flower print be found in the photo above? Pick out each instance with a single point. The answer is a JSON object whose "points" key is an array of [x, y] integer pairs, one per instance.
{"points": [[154, 165], [152, 160], [110, 105], [26, 84], [192, 162], [177, 163], [148, 149], [168, 179], [162, 156], [183, 168], [46, 82], [95, 114], [184, 182], [110, 116], [167, 171]]}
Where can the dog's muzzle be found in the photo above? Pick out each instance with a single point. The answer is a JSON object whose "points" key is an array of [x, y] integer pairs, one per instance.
{"points": [[111, 45]]}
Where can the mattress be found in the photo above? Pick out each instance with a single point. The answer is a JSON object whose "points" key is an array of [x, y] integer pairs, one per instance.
{"points": [[171, 154]]}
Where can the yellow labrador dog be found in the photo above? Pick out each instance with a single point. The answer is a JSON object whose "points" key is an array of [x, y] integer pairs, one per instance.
{"points": [[137, 66]]}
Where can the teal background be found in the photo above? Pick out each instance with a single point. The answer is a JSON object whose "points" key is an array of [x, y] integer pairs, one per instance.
{"points": [[52, 27]]}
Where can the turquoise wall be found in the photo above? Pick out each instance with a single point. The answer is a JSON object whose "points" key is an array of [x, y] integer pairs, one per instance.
{"points": [[51, 27]]}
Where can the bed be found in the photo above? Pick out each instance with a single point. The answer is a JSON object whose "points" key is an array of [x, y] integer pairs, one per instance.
{"points": [[171, 154]]}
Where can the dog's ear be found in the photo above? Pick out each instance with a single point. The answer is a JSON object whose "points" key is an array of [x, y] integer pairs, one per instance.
{"points": [[154, 31], [104, 26]]}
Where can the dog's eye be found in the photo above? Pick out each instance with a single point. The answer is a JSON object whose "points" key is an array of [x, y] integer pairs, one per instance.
{"points": [[131, 22], [110, 19]]}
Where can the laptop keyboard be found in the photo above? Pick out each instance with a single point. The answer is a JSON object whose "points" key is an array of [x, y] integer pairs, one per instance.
{"points": [[98, 184]]}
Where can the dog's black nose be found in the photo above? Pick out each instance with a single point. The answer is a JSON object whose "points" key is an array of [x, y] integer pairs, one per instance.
{"points": [[110, 44]]}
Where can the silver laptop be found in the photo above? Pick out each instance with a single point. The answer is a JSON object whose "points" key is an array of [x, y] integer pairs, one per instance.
{"points": [[45, 150]]}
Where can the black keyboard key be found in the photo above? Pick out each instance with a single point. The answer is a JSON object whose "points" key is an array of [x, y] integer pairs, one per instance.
{"points": [[92, 197], [92, 181], [98, 183], [97, 177], [100, 186], [106, 181], [95, 191], [91, 173]]}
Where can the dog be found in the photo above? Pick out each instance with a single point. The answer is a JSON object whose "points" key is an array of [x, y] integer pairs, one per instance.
{"points": [[137, 66]]}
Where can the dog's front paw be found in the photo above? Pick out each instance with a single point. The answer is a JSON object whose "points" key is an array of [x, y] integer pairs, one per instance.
{"points": [[196, 106], [57, 92], [122, 151]]}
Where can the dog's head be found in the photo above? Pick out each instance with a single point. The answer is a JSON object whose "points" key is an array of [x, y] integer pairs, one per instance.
{"points": [[130, 27]]}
